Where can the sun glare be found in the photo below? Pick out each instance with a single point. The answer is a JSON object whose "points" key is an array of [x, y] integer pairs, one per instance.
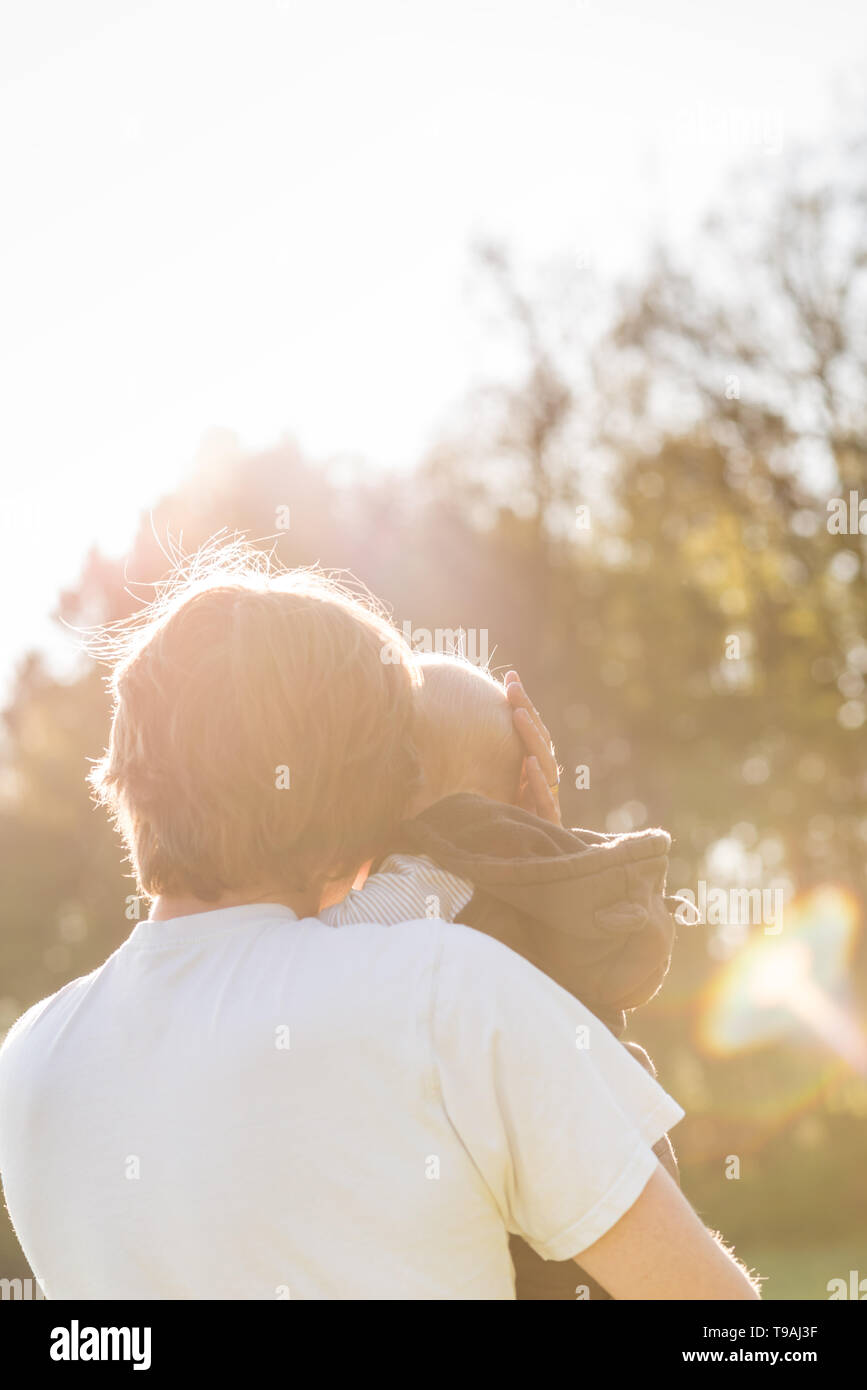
{"points": [[791, 986]]}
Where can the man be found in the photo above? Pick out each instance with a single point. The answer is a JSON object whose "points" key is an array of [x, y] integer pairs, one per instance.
{"points": [[243, 1102]]}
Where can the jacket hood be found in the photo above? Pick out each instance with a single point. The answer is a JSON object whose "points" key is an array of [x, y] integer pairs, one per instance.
{"points": [[595, 912]]}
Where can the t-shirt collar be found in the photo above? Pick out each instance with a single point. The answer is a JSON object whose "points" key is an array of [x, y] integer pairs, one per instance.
{"points": [[200, 924]]}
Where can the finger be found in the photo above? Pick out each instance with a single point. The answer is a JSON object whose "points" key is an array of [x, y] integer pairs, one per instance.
{"points": [[538, 749], [537, 743], [546, 804], [526, 800], [519, 699], [541, 745]]}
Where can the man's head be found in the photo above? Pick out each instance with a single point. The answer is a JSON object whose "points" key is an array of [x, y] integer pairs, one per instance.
{"points": [[465, 733], [260, 742]]}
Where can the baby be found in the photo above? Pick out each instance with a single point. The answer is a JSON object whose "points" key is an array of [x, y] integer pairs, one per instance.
{"points": [[588, 909], [468, 745]]}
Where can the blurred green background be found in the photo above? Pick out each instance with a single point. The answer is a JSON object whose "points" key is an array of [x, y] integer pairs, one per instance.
{"points": [[636, 516]]}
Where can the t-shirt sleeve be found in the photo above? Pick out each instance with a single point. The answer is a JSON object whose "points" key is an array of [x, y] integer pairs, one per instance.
{"points": [[557, 1116]]}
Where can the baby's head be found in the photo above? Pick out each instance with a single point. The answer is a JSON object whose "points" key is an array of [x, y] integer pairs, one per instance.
{"points": [[464, 732]]}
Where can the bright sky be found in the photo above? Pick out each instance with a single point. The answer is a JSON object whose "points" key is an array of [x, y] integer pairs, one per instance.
{"points": [[257, 214]]}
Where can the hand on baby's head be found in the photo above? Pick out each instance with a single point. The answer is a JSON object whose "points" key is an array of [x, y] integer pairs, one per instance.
{"points": [[540, 784]]}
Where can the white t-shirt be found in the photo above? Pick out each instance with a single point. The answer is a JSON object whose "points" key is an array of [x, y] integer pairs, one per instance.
{"points": [[240, 1104]]}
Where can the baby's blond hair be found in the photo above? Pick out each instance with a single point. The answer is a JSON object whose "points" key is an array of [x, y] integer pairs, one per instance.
{"points": [[465, 736]]}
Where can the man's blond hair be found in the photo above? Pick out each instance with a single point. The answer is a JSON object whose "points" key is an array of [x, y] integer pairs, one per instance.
{"points": [[260, 739]]}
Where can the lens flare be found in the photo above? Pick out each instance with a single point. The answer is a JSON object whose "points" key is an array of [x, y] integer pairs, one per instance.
{"points": [[790, 986]]}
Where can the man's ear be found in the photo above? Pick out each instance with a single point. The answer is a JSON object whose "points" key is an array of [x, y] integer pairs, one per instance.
{"points": [[334, 890], [361, 876]]}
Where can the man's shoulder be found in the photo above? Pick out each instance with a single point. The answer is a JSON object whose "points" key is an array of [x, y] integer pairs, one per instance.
{"points": [[471, 964], [463, 972], [448, 945], [27, 1021]]}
